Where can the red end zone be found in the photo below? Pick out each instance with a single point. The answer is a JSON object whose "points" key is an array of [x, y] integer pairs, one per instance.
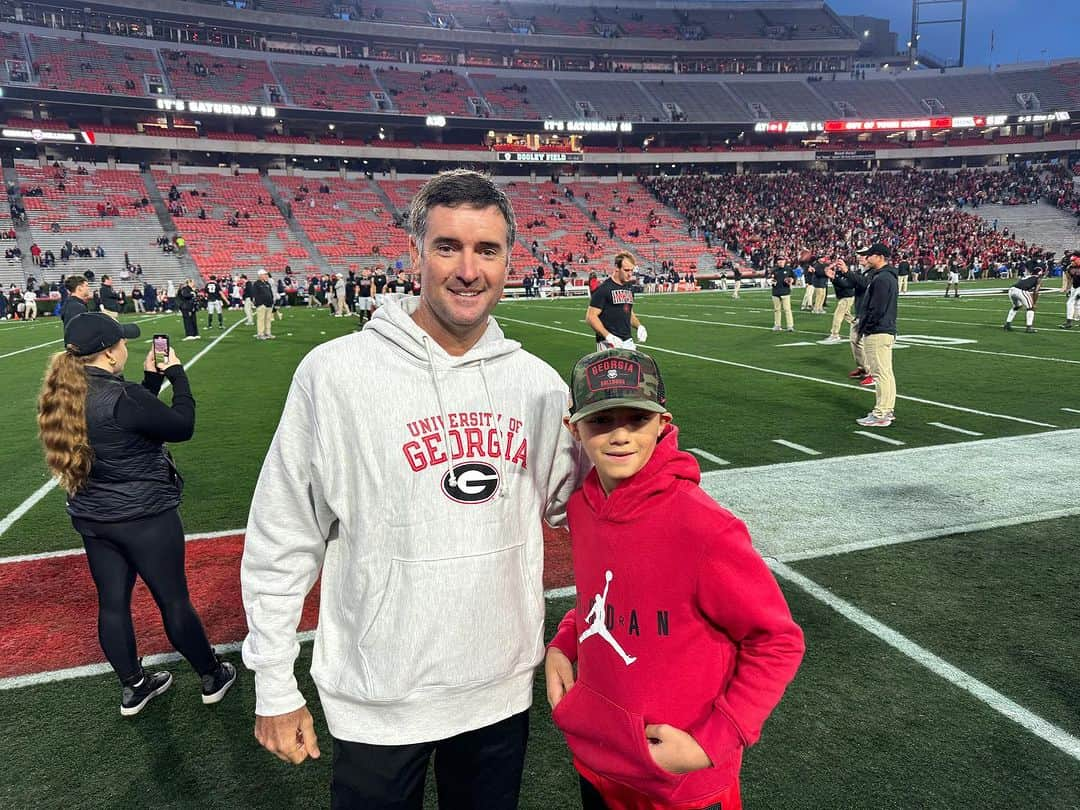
{"points": [[50, 608]]}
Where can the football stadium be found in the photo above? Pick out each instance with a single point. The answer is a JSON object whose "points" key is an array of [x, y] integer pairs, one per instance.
{"points": [[855, 261]]}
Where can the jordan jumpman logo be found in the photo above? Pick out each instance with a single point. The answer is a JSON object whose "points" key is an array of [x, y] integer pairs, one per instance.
{"points": [[597, 627]]}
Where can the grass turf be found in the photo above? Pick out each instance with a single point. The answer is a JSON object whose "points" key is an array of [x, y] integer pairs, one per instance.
{"points": [[860, 727]]}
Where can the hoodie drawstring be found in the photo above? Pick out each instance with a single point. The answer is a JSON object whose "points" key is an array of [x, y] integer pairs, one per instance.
{"points": [[444, 420], [504, 489]]}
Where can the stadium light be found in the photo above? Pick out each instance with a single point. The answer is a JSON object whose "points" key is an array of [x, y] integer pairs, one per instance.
{"points": [[866, 33]]}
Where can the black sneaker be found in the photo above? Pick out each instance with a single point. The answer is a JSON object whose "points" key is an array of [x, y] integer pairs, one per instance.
{"points": [[216, 684], [1030, 330], [134, 698], [1067, 324], [1008, 327]]}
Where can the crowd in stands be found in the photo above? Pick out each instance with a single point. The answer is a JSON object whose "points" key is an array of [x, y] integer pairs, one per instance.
{"points": [[921, 215]]}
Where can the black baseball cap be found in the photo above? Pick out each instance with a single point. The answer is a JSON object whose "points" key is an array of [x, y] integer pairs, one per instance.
{"points": [[93, 332], [616, 378], [1074, 254], [876, 249]]}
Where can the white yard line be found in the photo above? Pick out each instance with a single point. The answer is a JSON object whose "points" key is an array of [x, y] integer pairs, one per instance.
{"points": [[697, 451], [954, 429], [162, 659], [653, 348], [38, 678], [1070, 410], [930, 534], [901, 317], [24, 507], [1040, 727], [1000, 354], [879, 438], [31, 348], [798, 447], [73, 552]]}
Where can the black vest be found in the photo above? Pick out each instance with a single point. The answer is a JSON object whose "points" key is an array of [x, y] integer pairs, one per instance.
{"points": [[132, 477]]}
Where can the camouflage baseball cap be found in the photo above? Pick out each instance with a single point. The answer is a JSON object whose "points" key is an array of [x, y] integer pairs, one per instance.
{"points": [[615, 378]]}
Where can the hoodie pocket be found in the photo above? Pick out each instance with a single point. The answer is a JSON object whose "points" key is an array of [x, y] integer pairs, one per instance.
{"points": [[610, 740], [447, 623]]}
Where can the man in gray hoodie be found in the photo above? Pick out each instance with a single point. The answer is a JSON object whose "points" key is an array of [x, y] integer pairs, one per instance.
{"points": [[426, 528]]}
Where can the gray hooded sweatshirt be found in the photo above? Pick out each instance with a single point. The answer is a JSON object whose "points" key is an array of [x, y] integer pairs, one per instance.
{"points": [[431, 605]]}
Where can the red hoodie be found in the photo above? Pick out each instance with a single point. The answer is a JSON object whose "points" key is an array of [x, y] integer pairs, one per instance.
{"points": [[706, 641]]}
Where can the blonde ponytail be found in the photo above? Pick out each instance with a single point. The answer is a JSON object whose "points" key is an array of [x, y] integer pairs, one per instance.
{"points": [[62, 421]]}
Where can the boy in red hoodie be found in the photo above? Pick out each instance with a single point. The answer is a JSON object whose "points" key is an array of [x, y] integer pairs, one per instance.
{"points": [[682, 639]]}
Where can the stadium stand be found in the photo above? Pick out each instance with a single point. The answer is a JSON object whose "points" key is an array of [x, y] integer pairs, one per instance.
{"points": [[432, 91], [1068, 76], [260, 238], [328, 86], [613, 100], [346, 222], [475, 16], [923, 215], [961, 93], [698, 100], [219, 78], [315, 8], [569, 20], [559, 226], [524, 97], [15, 66], [400, 12], [642, 22], [1047, 85], [876, 99], [654, 231], [103, 67], [804, 23], [728, 23], [779, 100], [92, 67], [74, 210]]}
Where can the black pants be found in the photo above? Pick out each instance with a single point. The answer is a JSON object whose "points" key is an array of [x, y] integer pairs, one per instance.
{"points": [[153, 548], [477, 770], [190, 328]]}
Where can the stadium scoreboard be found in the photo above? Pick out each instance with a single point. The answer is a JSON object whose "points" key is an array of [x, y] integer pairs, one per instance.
{"points": [[904, 124]]}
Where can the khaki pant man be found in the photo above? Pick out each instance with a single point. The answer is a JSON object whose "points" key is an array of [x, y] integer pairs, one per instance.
{"points": [[249, 310], [903, 280], [841, 313], [819, 300], [782, 302], [856, 346], [808, 298], [264, 316], [877, 349]]}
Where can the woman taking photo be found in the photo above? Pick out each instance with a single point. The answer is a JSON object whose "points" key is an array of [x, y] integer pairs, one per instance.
{"points": [[104, 440]]}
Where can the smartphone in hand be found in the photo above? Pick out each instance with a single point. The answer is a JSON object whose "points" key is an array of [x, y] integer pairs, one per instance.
{"points": [[161, 350]]}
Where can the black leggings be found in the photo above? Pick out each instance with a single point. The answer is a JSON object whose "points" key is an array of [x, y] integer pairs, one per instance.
{"points": [[153, 548]]}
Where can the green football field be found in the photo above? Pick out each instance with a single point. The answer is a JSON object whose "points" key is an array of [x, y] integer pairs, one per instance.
{"points": [[933, 565]]}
